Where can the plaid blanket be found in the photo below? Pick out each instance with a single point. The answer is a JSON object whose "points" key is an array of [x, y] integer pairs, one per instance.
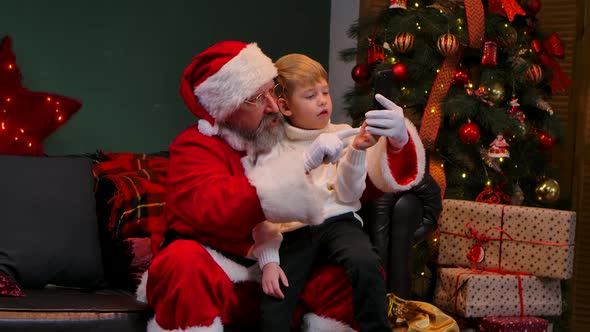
{"points": [[139, 181]]}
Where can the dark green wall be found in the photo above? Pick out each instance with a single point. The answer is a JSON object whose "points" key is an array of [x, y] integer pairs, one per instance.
{"points": [[124, 59]]}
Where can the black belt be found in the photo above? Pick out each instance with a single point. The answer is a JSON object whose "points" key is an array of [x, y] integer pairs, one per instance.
{"points": [[171, 236]]}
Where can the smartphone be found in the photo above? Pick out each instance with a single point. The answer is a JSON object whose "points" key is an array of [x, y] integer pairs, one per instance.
{"points": [[383, 84]]}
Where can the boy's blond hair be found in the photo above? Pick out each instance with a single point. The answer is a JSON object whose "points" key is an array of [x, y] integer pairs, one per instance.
{"points": [[296, 70]]}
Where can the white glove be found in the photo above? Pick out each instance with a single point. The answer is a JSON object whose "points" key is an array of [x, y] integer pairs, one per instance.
{"points": [[326, 147], [389, 122]]}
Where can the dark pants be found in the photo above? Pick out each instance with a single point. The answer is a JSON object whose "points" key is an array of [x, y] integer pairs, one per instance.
{"points": [[339, 239]]}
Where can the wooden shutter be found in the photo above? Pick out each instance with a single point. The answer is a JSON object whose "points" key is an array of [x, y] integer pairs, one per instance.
{"points": [[567, 19]]}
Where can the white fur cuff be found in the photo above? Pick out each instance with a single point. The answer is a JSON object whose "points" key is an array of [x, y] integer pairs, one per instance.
{"points": [[315, 323], [379, 169], [153, 326]]}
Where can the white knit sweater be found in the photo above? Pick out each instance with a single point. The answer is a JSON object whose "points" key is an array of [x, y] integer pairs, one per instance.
{"points": [[338, 187]]}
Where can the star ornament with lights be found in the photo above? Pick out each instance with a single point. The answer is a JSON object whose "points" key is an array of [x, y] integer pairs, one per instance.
{"points": [[27, 117]]}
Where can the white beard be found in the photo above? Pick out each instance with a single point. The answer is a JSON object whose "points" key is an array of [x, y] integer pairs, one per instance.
{"points": [[256, 141]]}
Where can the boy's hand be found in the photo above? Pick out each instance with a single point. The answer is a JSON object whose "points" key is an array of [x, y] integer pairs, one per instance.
{"points": [[326, 148], [271, 275], [388, 122], [364, 139]]}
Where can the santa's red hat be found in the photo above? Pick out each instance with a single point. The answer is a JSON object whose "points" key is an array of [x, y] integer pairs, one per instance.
{"points": [[222, 77]]}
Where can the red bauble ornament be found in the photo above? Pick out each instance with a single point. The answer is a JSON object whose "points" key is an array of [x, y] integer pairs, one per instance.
{"points": [[400, 72], [360, 73], [469, 133], [403, 42], [534, 74], [448, 44], [461, 78], [546, 142], [531, 7]]}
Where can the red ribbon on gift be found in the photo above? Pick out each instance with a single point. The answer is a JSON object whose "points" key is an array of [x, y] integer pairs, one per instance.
{"points": [[492, 271], [480, 239], [547, 51], [506, 8], [470, 232]]}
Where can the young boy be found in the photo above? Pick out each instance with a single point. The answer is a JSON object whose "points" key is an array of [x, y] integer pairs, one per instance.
{"points": [[304, 99]]}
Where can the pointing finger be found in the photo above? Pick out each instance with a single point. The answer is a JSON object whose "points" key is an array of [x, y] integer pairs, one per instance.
{"points": [[346, 133]]}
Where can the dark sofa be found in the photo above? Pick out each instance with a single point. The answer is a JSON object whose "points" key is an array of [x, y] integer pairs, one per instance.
{"points": [[395, 223]]}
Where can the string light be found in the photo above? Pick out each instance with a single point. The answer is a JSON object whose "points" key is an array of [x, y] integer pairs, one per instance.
{"points": [[488, 183], [464, 175]]}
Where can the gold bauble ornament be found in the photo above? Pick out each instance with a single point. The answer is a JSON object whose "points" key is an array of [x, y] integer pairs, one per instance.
{"points": [[448, 44], [547, 191], [497, 93], [403, 42], [507, 37]]}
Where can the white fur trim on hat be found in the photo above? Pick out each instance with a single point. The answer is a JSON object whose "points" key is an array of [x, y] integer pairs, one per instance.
{"points": [[378, 168], [315, 323], [153, 326], [207, 129], [223, 92]]}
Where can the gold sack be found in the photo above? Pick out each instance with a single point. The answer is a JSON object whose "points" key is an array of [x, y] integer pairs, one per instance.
{"points": [[415, 316]]}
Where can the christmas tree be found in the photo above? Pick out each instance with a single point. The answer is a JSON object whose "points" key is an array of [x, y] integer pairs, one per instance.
{"points": [[475, 77]]}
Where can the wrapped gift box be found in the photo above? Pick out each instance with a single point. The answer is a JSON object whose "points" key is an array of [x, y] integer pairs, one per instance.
{"points": [[514, 324], [511, 238], [472, 293]]}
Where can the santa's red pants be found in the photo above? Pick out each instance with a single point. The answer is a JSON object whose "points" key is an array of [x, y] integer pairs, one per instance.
{"points": [[188, 289]]}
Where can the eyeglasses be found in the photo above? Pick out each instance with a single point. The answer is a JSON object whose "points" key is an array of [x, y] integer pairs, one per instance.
{"points": [[260, 99]]}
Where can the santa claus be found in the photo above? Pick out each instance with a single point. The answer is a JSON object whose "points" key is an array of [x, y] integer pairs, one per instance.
{"points": [[203, 276]]}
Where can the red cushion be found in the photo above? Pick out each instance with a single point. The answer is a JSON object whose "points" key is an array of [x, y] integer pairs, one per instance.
{"points": [[9, 287]]}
